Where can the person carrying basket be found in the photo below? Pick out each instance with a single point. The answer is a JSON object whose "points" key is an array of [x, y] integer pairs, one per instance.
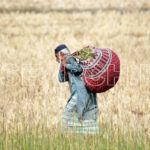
{"points": [[81, 110]]}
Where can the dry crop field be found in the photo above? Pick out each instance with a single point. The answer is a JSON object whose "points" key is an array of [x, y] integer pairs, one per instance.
{"points": [[67, 4], [30, 93]]}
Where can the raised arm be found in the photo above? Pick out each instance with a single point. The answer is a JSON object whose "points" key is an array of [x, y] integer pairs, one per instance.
{"points": [[72, 65]]}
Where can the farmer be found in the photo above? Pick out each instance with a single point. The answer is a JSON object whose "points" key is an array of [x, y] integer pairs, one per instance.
{"points": [[80, 113]]}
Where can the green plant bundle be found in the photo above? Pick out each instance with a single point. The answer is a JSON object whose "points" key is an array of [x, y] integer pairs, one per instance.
{"points": [[84, 53]]}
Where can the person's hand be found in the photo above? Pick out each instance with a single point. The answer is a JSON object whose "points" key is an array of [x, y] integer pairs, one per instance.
{"points": [[63, 62]]}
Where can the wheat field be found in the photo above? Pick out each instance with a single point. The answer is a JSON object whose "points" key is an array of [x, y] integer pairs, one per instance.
{"points": [[67, 4], [30, 93]]}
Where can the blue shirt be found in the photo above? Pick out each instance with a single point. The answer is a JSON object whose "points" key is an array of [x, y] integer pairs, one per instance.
{"points": [[86, 104]]}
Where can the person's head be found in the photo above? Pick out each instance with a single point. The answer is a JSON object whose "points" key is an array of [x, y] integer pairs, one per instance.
{"points": [[61, 51]]}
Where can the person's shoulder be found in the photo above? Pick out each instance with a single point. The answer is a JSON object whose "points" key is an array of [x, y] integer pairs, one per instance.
{"points": [[70, 58]]}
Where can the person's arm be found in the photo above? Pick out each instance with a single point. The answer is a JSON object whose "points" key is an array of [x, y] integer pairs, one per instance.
{"points": [[72, 65], [61, 75]]}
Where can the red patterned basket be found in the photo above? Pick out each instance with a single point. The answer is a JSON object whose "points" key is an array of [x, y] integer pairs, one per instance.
{"points": [[101, 72]]}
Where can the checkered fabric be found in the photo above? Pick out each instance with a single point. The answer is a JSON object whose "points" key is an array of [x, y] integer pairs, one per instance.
{"points": [[71, 124]]}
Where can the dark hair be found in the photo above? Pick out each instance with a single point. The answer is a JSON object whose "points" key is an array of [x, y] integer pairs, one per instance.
{"points": [[59, 48]]}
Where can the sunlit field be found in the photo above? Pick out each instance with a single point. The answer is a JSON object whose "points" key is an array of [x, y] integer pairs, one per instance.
{"points": [[32, 99], [74, 4]]}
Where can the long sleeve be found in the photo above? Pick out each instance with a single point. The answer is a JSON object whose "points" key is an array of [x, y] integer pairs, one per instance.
{"points": [[61, 75], [72, 65]]}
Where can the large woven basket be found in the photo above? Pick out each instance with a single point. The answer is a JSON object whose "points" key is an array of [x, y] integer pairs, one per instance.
{"points": [[101, 72]]}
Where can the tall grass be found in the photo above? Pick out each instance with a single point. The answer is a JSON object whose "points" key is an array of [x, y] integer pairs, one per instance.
{"points": [[32, 97], [43, 138]]}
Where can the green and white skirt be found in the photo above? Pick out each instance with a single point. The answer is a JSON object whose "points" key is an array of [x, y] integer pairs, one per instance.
{"points": [[71, 124]]}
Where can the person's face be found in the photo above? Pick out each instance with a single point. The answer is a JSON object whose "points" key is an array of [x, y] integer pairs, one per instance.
{"points": [[57, 56]]}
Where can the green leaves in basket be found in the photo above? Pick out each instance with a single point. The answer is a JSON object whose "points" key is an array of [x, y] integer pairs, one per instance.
{"points": [[84, 53]]}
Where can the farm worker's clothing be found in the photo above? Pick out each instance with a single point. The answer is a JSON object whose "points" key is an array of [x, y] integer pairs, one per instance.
{"points": [[70, 122], [82, 102]]}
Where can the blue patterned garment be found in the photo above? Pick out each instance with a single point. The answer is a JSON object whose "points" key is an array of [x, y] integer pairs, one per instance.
{"points": [[82, 103], [70, 122]]}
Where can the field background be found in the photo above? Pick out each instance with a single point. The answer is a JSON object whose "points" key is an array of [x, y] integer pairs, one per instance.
{"points": [[30, 31], [67, 4]]}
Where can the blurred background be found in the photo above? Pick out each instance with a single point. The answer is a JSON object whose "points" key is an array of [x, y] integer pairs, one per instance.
{"points": [[78, 4], [30, 30]]}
